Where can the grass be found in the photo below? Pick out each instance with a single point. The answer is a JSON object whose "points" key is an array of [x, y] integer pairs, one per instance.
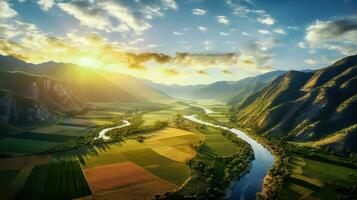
{"points": [[329, 172], [309, 177], [6, 177], [59, 180], [83, 122], [219, 144], [17, 145], [65, 130], [41, 137]]}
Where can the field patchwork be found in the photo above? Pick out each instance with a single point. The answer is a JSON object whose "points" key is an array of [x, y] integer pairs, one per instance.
{"points": [[309, 177]]}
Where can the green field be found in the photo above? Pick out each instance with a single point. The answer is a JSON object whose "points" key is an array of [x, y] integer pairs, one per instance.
{"points": [[59, 180], [42, 137], [17, 145], [219, 144], [6, 177], [311, 178], [83, 122], [65, 130], [160, 166]]}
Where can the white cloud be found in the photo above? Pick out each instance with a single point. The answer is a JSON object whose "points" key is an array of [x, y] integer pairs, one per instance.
{"points": [[302, 45], [6, 11], [202, 28], [345, 28], [245, 33], [280, 31], [199, 12], [177, 33], [222, 20], [264, 32], [223, 34], [208, 45], [117, 16], [89, 15], [311, 61], [338, 35], [46, 4], [267, 43], [268, 20]]}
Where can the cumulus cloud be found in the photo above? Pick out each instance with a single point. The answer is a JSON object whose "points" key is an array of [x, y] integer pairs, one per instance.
{"points": [[280, 31], [344, 28], [264, 32], [117, 16], [224, 34], [199, 12], [268, 20], [222, 20], [46, 4], [337, 35], [177, 33], [5, 10], [202, 28]]}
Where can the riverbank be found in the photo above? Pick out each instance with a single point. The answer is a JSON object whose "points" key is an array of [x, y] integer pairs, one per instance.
{"points": [[274, 175]]}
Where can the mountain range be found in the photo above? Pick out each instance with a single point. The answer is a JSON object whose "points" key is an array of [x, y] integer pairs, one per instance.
{"points": [[318, 106], [89, 84], [222, 91]]}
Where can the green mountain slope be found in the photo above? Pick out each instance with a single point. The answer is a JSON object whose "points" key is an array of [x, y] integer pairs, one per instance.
{"points": [[304, 106]]}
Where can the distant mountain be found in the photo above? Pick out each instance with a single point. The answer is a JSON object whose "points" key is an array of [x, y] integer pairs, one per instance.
{"points": [[89, 84], [29, 98], [9, 63], [176, 91], [315, 106], [224, 91]]}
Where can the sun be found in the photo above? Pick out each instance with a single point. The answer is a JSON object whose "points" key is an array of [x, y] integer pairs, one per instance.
{"points": [[88, 61]]}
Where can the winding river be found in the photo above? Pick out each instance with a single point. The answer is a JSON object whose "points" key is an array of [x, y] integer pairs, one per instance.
{"points": [[104, 131], [250, 183]]}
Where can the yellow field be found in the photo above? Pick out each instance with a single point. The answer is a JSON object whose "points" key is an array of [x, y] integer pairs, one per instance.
{"points": [[175, 144]]}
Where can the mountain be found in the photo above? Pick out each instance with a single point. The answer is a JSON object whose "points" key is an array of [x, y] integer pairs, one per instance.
{"points": [[306, 106], [224, 91], [176, 91], [30, 98], [89, 84], [9, 63], [19, 109]]}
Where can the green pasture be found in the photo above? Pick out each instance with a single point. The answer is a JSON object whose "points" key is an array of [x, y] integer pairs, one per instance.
{"points": [[18, 145]]}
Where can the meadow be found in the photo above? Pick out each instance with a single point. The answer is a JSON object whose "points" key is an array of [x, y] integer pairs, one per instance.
{"points": [[316, 179]]}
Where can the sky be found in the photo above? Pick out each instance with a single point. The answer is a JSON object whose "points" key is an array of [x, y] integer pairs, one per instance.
{"points": [[181, 41]]}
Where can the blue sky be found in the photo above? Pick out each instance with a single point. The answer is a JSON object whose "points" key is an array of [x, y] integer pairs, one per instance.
{"points": [[220, 39]]}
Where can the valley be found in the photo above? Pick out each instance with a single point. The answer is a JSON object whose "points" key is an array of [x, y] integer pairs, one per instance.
{"points": [[262, 142]]}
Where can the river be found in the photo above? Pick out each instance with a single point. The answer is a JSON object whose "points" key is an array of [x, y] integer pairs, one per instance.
{"points": [[104, 131], [250, 183]]}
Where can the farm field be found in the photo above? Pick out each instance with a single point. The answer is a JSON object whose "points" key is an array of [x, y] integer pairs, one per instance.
{"points": [[311, 178], [56, 180], [125, 181], [18, 145], [83, 122], [65, 130], [14, 174], [158, 163]]}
